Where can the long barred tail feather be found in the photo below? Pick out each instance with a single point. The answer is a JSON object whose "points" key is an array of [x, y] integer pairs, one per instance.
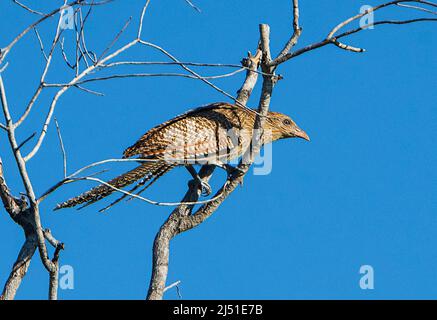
{"points": [[145, 171], [158, 174]]}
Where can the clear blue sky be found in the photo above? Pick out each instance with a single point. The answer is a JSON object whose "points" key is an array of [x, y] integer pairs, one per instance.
{"points": [[362, 192]]}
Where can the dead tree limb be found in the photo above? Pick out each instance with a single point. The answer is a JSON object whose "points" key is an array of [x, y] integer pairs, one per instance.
{"points": [[176, 223]]}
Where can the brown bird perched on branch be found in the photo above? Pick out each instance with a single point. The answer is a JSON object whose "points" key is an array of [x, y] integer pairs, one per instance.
{"points": [[213, 134]]}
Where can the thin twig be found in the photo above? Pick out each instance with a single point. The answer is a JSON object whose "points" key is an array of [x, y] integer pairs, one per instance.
{"points": [[89, 90], [41, 45], [297, 31], [61, 143], [114, 40], [140, 25], [78, 35], [2, 69], [28, 9], [175, 284], [26, 140], [170, 63], [152, 45], [88, 54], [196, 64], [192, 5], [347, 33], [142, 75], [64, 55], [416, 8]]}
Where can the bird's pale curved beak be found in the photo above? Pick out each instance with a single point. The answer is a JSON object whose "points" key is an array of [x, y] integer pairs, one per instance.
{"points": [[302, 134]]}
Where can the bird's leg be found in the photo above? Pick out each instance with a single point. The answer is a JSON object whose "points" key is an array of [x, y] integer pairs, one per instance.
{"points": [[230, 170], [205, 187]]}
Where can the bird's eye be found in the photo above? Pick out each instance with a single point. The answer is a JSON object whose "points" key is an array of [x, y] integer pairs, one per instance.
{"points": [[287, 122]]}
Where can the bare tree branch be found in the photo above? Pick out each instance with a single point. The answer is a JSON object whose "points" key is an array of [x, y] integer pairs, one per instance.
{"points": [[41, 45], [114, 40], [16, 208], [27, 8], [416, 8], [142, 75], [332, 39], [28, 217], [140, 26], [297, 30], [175, 284], [19, 268], [61, 143], [5, 51], [54, 275], [26, 140], [192, 5], [176, 223], [43, 75]]}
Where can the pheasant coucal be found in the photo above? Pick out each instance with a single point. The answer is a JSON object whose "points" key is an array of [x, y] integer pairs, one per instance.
{"points": [[213, 134]]}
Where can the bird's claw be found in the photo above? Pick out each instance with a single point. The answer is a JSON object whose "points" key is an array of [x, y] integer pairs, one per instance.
{"points": [[231, 170], [205, 188]]}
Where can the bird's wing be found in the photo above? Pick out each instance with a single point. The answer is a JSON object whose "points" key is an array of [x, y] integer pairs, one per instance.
{"points": [[193, 135]]}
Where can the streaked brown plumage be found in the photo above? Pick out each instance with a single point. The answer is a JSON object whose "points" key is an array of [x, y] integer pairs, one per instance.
{"points": [[214, 134]]}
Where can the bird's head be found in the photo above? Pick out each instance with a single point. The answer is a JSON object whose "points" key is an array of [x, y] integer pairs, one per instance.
{"points": [[282, 126]]}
